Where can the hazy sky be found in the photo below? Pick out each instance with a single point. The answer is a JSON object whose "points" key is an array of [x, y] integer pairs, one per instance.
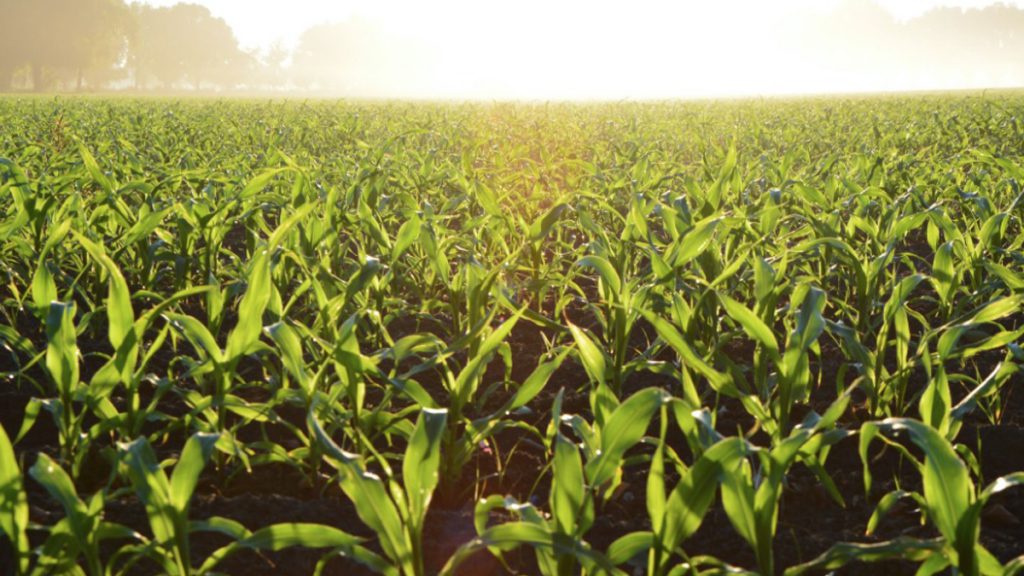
{"points": [[261, 22], [590, 48]]}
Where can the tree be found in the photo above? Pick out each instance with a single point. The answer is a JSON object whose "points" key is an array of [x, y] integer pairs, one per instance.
{"points": [[982, 45], [71, 36], [13, 40], [61, 38], [184, 43]]}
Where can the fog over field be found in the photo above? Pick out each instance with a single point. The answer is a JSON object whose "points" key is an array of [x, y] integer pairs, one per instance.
{"points": [[501, 50]]}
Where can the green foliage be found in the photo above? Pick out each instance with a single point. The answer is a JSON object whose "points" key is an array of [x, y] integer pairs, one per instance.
{"points": [[396, 512], [167, 501], [410, 301], [13, 504]]}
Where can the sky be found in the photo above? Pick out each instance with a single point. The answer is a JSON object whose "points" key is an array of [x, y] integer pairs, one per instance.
{"points": [[580, 49], [259, 23]]}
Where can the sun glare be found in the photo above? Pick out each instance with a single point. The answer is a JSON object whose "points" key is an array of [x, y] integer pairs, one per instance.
{"points": [[575, 49], [529, 49]]}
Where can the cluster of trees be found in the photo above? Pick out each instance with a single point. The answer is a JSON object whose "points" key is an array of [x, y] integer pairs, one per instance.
{"points": [[89, 44], [109, 44], [942, 48], [66, 40]]}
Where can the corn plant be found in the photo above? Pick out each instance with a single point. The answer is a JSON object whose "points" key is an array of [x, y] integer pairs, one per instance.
{"points": [[167, 500], [576, 490], [126, 334], [621, 299], [479, 431], [676, 514], [386, 292], [753, 507], [83, 528], [222, 363], [395, 512], [950, 501], [167, 503], [791, 382], [13, 506], [62, 363]]}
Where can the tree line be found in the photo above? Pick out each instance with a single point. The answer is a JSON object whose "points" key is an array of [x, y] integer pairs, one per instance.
{"points": [[110, 44], [92, 44], [942, 46]]}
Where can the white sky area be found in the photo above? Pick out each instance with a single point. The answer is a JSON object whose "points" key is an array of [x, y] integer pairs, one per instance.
{"points": [[587, 49]]}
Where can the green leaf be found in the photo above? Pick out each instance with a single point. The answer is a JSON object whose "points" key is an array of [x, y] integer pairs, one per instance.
{"points": [[153, 489], [197, 334], [259, 182], [251, 308], [999, 374], [62, 347], [361, 279], [145, 226], [693, 243], [656, 501], [466, 381], [286, 226], [943, 274], [94, 169], [542, 226], [885, 505], [738, 501], [1002, 483], [487, 199], [592, 357], [13, 503], [373, 504], [536, 381], [568, 491], [997, 309], [59, 485], [280, 536], [627, 547], [990, 312], [750, 323], [936, 403], [290, 345], [422, 458], [190, 465], [901, 294], [810, 323], [667, 332], [408, 233], [605, 270], [625, 427], [44, 289], [841, 554], [220, 525], [693, 495], [120, 315], [948, 490], [512, 534], [1013, 280]]}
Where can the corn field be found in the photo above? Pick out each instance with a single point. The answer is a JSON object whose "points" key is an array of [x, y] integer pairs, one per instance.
{"points": [[749, 337]]}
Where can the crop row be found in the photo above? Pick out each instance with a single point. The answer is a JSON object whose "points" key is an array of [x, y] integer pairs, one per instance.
{"points": [[682, 301]]}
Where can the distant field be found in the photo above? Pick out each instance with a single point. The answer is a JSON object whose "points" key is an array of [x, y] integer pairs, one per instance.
{"points": [[283, 337]]}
